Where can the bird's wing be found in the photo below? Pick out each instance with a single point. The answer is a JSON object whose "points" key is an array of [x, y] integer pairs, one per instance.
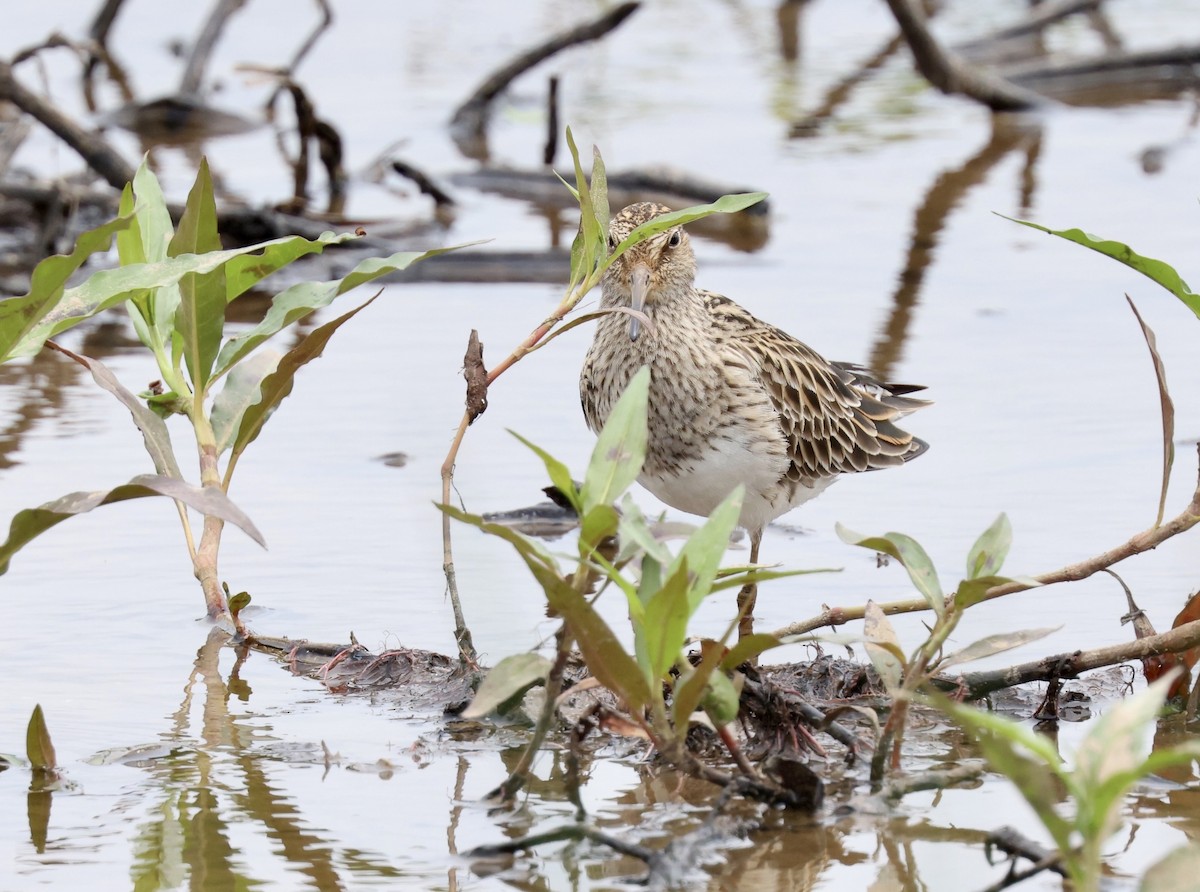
{"points": [[836, 417]]}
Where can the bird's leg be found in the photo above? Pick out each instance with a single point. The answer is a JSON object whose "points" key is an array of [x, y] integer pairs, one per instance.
{"points": [[749, 593]]}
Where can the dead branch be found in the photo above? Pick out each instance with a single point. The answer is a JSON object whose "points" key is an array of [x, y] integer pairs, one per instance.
{"points": [[93, 148], [1169, 70], [1147, 540], [1071, 665], [952, 74], [469, 124], [899, 786], [423, 182], [1039, 18]]}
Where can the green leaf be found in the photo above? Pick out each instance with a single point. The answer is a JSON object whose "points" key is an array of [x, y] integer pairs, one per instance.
{"points": [[510, 677], [38, 746], [1167, 410], [741, 578], [153, 216], [1025, 757], [605, 657], [108, 287], [200, 316], [691, 686], [593, 237], [152, 310], [705, 548], [530, 549], [721, 700], [994, 644], [989, 551], [1119, 740], [155, 436], [276, 386], [621, 447], [560, 475], [599, 194], [1155, 270], [243, 389], [747, 648], [883, 647], [911, 555], [299, 300], [635, 535], [237, 603], [971, 591], [209, 500], [726, 204], [596, 526], [667, 613], [21, 316]]}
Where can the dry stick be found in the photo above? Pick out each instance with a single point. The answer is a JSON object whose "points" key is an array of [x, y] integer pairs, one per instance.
{"points": [[1039, 19], [950, 73], [551, 148], [1144, 541], [99, 155], [470, 119]]}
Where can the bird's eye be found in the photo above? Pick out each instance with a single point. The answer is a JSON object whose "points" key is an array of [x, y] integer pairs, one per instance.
{"points": [[674, 240], [612, 243]]}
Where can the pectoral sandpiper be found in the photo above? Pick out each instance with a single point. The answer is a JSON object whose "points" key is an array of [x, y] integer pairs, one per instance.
{"points": [[733, 400]]}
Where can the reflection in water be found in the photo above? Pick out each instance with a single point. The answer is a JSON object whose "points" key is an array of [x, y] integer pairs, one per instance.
{"points": [[207, 792], [1010, 132]]}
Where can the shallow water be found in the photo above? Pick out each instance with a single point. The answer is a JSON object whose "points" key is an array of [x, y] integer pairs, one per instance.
{"points": [[1046, 408]]}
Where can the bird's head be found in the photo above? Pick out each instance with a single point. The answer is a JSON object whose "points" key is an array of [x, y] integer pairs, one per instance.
{"points": [[655, 270]]}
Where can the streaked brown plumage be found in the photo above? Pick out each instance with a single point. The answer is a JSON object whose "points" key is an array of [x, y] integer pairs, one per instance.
{"points": [[732, 399]]}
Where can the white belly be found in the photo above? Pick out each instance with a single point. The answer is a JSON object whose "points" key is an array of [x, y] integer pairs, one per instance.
{"points": [[701, 486]]}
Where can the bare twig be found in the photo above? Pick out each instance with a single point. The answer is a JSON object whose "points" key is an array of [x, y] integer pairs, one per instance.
{"points": [[423, 182], [1142, 542], [469, 123], [94, 149], [551, 148], [899, 786]]}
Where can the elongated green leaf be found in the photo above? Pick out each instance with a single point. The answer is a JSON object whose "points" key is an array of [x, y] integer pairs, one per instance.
{"points": [[200, 316], [21, 316], [882, 646], [747, 648], [1155, 270], [592, 232], [38, 746], [1120, 739], [1025, 757], [109, 287], [989, 551], [596, 526], [155, 436], [530, 549], [243, 389], [599, 193], [994, 644], [636, 535], [741, 578], [971, 591], [606, 659], [301, 299], [691, 686], [1167, 409], [726, 204], [154, 218], [909, 553], [276, 386], [511, 676], [130, 249], [209, 500], [621, 448], [666, 620], [560, 475], [704, 548], [721, 699]]}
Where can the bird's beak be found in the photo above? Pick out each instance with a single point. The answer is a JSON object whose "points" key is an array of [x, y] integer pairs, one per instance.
{"points": [[640, 285]]}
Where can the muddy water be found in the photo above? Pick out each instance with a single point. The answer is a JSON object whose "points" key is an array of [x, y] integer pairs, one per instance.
{"points": [[215, 776]]}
